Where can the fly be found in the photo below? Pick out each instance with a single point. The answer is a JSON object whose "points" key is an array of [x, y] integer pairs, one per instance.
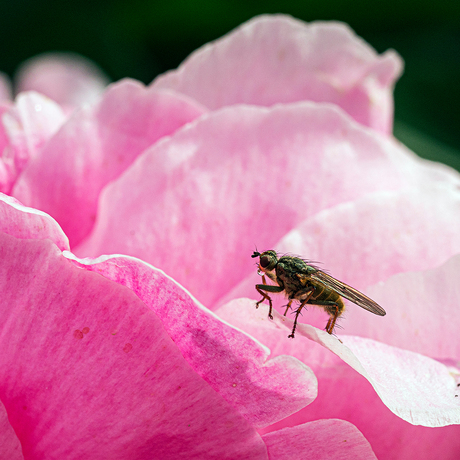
{"points": [[309, 285]]}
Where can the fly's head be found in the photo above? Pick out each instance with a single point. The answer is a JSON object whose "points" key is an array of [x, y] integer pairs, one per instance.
{"points": [[267, 261]]}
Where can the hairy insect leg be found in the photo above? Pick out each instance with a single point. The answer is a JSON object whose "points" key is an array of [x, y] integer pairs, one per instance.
{"points": [[332, 316], [267, 288], [291, 336], [332, 319], [265, 296], [288, 306]]}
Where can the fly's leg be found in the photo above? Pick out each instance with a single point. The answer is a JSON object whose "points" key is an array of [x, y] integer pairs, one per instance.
{"points": [[332, 315], [267, 288], [288, 306], [291, 336], [332, 319], [264, 296]]}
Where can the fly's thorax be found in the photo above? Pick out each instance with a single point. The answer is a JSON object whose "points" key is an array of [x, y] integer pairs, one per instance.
{"points": [[287, 276]]}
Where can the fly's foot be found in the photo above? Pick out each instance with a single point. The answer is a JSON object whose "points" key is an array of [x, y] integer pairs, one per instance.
{"points": [[269, 312]]}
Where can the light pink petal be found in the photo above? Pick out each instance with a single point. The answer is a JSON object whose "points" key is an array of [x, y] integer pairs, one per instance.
{"points": [[343, 393], [7, 167], [273, 59], [69, 79], [10, 447], [240, 177], [414, 387], [87, 369], [396, 235], [28, 125], [418, 389], [422, 311], [94, 147], [6, 176], [6, 91], [25, 126], [321, 440], [233, 364], [31, 121], [28, 223]]}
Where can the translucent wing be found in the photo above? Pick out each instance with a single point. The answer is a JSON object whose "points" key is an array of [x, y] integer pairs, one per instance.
{"points": [[348, 292]]}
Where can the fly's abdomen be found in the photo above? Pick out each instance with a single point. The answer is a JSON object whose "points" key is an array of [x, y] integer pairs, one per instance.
{"points": [[324, 294]]}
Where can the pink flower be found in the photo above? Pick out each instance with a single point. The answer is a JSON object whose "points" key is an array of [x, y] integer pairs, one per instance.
{"points": [[278, 135]]}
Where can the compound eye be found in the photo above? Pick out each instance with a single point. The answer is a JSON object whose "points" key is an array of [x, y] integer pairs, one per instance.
{"points": [[264, 261]]}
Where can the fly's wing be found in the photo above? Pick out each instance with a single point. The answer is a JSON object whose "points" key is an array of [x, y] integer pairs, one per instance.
{"points": [[349, 293]]}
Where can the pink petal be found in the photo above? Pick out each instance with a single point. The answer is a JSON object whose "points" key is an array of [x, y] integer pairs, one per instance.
{"points": [[233, 364], [422, 310], [273, 59], [10, 447], [322, 439], [418, 389], [7, 167], [414, 387], [343, 393], [6, 177], [28, 223], [87, 369], [94, 147], [239, 177], [28, 125], [395, 233], [69, 79]]}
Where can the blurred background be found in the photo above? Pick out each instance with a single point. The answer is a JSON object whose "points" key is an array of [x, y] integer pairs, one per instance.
{"points": [[142, 38]]}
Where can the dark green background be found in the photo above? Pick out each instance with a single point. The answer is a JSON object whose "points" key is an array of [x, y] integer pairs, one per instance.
{"points": [[141, 39]]}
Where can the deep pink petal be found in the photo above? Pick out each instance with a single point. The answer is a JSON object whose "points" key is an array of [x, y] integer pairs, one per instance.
{"points": [[240, 177], [10, 447], [28, 223], [69, 79], [273, 59], [418, 389], [94, 147], [235, 366], [321, 440], [86, 367], [398, 238]]}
